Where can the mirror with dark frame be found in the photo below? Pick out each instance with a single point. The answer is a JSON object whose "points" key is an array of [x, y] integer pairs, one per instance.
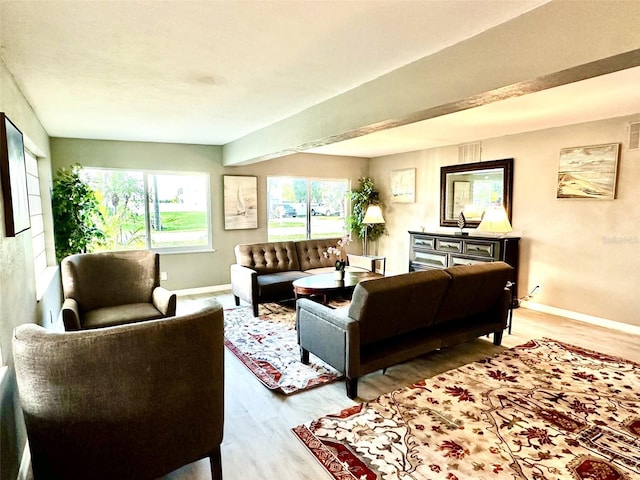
{"points": [[473, 187]]}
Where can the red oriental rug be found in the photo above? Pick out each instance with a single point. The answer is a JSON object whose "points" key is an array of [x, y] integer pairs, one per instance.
{"points": [[543, 410], [267, 345]]}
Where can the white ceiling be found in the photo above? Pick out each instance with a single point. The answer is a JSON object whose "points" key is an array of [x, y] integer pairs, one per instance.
{"points": [[212, 71]]}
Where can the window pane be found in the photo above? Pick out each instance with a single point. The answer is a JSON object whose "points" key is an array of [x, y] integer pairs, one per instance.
{"points": [[121, 197], [291, 217], [177, 207], [287, 207], [178, 210], [35, 212], [328, 207]]}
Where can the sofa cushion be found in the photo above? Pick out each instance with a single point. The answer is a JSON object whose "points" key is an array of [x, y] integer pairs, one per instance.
{"points": [[311, 253], [332, 268], [268, 257], [391, 306], [474, 289], [278, 284], [321, 270]]}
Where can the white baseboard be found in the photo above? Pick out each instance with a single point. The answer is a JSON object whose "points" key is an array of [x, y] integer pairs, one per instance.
{"points": [[581, 317], [201, 290]]}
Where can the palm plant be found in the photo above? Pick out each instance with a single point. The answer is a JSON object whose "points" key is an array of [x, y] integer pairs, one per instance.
{"points": [[361, 198]]}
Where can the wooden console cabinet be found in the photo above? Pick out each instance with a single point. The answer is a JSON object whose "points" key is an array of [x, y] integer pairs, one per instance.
{"points": [[441, 250]]}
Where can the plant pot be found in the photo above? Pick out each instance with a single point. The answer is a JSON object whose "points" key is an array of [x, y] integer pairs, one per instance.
{"points": [[338, 274]]}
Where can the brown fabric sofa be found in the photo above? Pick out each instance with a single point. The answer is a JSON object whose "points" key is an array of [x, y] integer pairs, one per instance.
{"points": [[135, 401], [397, 318], [264, 272], [112, 288]]}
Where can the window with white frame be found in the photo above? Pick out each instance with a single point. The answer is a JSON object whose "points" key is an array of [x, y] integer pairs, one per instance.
{"points": [[35, 212], [160, 211], [300, 208]]}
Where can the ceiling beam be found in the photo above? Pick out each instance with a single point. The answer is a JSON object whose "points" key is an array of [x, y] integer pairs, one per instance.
{"points": [[555, 44]]}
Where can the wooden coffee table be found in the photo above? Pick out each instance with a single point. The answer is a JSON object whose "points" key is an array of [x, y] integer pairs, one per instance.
{"points": [[322, 284]]}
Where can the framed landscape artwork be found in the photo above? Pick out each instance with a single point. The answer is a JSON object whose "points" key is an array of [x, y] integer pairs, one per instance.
{"points": [[403, 185], [14, 178], [240, 202], [588, 172]]}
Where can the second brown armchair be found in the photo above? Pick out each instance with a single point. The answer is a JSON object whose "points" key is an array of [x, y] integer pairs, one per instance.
{"points": [[113, 288]]}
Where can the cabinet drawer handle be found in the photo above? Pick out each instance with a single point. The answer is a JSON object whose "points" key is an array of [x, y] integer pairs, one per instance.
{"points": [[425, 243], [484, 250]]}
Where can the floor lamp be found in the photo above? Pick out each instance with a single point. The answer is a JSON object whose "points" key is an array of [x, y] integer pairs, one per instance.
{"points": [[372, 216]]}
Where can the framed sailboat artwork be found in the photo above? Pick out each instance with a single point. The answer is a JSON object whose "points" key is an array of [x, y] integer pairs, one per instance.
{"points": [[240, 202]]}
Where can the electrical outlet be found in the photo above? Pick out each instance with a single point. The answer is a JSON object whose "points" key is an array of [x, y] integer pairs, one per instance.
{"points": [[163, 275]]}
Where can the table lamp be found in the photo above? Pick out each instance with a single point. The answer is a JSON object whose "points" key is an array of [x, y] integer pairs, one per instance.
{"points": [[372, 216], [495, 220]]}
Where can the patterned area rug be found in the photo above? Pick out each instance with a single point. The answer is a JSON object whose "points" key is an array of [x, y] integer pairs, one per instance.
{"points": [[267, 345], [543, 410]]}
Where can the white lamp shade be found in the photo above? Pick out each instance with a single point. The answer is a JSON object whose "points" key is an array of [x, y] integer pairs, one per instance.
{"points": [[495, 220], [373, 215]]}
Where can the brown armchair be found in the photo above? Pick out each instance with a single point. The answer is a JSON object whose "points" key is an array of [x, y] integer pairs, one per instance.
{"points": [[112, 288], [131, 401]]}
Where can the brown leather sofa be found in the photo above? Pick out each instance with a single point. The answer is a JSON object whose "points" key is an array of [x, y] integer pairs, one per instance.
{"points": [[394, 319], [264, 272]]}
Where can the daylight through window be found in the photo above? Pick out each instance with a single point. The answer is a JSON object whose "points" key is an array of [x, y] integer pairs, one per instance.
{"points": [[300, 208], [35, 213], [160, 211]]}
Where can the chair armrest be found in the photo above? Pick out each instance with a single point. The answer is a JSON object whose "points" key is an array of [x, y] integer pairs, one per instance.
{"points": [[71, 314], [329, 334], [244, 283], [165, 301], [324, 313]]}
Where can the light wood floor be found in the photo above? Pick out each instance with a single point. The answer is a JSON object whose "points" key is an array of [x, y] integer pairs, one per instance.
{"points": [[258, 443]]}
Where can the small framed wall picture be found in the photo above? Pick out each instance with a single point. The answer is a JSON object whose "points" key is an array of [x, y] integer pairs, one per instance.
{"points": [[240, 202], [14, 178], [403, 185]]}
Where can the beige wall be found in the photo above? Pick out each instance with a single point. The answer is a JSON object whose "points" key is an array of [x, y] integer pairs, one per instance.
{"points": [[192, 270], [578, 250], [584, 253]]}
